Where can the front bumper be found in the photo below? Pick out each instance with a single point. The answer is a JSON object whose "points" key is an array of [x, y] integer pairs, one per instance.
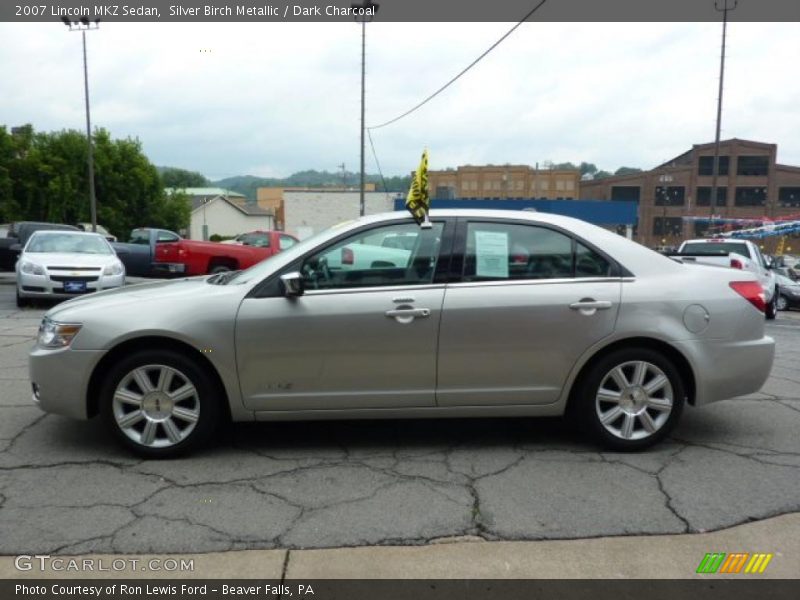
{"points": [[726, 369], [44, 286], [60, 379]]}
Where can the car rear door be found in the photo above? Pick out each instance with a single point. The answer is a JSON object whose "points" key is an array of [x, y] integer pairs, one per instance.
{"points": [[529, 300], [357, 338]]}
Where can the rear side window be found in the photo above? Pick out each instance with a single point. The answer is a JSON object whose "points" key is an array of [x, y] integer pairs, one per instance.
{"points": [[509, 251], [286, 241], [715, 248], [166, 236]]}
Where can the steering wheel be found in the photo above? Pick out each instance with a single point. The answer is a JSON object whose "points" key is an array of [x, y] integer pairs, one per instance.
{"points": [[317, 270]]}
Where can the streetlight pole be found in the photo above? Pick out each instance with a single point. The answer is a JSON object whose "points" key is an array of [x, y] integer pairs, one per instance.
{"points": [[83, 26], [363, 13], [664, 180], [715, 167]]}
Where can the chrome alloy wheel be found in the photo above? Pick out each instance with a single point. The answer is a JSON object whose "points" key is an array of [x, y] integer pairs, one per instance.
{"points": [[156, 406], [634, 400]]}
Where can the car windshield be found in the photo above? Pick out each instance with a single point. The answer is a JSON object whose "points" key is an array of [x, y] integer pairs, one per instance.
{"points": [[69, 243], [715, 248]]}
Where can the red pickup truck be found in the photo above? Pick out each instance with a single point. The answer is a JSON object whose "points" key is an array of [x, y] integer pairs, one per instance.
{"points": [[153, 252]]}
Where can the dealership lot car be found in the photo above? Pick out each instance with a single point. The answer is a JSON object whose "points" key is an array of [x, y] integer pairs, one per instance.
{"points": [[493, 313], [62, 264]]}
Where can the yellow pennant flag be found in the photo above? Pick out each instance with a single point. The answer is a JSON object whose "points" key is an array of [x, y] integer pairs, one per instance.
{"points": [[418, 201]]}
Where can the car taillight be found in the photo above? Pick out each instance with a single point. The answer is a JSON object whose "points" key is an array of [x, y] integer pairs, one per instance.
{"points": [[347, 256], [736, 264], [752, 292]]}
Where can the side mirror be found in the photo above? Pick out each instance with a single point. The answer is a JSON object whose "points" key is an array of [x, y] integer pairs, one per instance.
{"points": [[293, 284]]}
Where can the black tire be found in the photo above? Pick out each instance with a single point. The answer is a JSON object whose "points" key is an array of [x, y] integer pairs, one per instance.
{"points": [[586, 404], [219, 269], [772, 308], [206, 403], [782, 303], [21, 302]]}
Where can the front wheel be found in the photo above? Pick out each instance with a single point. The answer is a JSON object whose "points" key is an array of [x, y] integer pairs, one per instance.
{"points": [[160, 403], [772, 308], [782, 303], [630, 399], [22, 302]]}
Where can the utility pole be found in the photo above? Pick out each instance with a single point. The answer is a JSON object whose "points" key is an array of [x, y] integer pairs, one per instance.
{"points": [[83, 26], [712, 202], [363, 12]]}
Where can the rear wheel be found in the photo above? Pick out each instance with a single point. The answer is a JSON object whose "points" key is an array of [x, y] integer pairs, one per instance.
{"points": [[630, 399], [782, 303], [772, 308], [219, 269], [160, 403]]}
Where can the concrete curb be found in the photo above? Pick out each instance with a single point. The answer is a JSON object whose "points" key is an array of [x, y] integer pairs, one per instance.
{"points": [[646, 557]]}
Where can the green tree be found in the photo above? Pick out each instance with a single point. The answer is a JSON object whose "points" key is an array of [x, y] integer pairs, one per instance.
{"points": [[627, 171], [46, 174], [172, 177]]}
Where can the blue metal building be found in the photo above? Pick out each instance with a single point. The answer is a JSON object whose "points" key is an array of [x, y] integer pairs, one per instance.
{"points": [[599, 212]]}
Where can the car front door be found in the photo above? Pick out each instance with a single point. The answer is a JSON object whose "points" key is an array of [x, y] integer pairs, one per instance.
{"points": [[362, 335], [530, 301]]}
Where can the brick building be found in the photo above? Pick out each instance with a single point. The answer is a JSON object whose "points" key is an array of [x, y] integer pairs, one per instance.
{"points": [[504, 182], [751, 184]]}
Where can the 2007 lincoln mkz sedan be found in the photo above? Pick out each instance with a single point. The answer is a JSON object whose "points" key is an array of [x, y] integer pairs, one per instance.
{"points": [[485, 313]]}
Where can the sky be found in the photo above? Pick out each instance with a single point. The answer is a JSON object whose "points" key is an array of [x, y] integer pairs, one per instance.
{"points": [[269, 99]]}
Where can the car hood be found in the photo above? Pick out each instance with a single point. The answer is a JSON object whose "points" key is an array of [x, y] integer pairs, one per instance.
{"points": [[185, 292], [69, 259]]}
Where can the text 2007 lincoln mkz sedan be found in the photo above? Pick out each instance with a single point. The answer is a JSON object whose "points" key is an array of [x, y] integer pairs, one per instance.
{"points": [[486, 313]]}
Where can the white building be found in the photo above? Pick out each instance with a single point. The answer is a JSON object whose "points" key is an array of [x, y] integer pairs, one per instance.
{"points": [[309, 212], [224, 217], [225, 213]]}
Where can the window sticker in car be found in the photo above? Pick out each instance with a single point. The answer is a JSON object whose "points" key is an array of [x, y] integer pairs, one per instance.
{"points": [[491, 254]]}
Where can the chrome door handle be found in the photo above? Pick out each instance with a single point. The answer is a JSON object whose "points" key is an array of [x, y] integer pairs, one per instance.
{"points": [[409, 312], [591, 305]]}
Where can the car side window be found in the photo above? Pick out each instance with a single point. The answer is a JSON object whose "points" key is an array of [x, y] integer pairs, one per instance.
{"points": [[508, 251], [362, 259], [499, 251]]}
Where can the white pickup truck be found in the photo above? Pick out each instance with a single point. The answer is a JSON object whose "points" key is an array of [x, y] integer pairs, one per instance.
{"points": [[735, 254]]}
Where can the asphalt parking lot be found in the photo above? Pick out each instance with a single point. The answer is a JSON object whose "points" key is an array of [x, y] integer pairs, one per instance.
{"points": [[66, 487]]}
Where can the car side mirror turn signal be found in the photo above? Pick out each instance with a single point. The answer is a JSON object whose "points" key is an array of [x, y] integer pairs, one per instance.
{"points": [[293, 284]]}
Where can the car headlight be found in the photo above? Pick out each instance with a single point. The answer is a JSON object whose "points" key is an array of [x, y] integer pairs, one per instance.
{"points": [[56, 335], [115, 269], [31, 268]]}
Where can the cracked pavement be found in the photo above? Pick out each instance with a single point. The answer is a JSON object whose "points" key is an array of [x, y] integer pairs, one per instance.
{"points": [[66, 487]]}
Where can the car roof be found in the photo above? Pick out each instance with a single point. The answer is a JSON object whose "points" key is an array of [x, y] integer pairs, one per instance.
{"points": [[43, 232]]}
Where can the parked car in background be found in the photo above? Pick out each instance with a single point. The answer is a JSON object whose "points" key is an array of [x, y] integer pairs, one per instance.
{"points": [[788, 293], [100, 229], [787, 272], [159, 252], [264, 239], [63, 264], [611, 334], [17, 236], [735, 254]]}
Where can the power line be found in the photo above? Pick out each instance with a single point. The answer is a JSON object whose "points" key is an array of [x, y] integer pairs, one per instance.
{"points": [[377, 162], [472, 64]]}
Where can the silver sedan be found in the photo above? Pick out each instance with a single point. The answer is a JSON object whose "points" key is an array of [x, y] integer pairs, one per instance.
{"points": [[487, 313]]}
